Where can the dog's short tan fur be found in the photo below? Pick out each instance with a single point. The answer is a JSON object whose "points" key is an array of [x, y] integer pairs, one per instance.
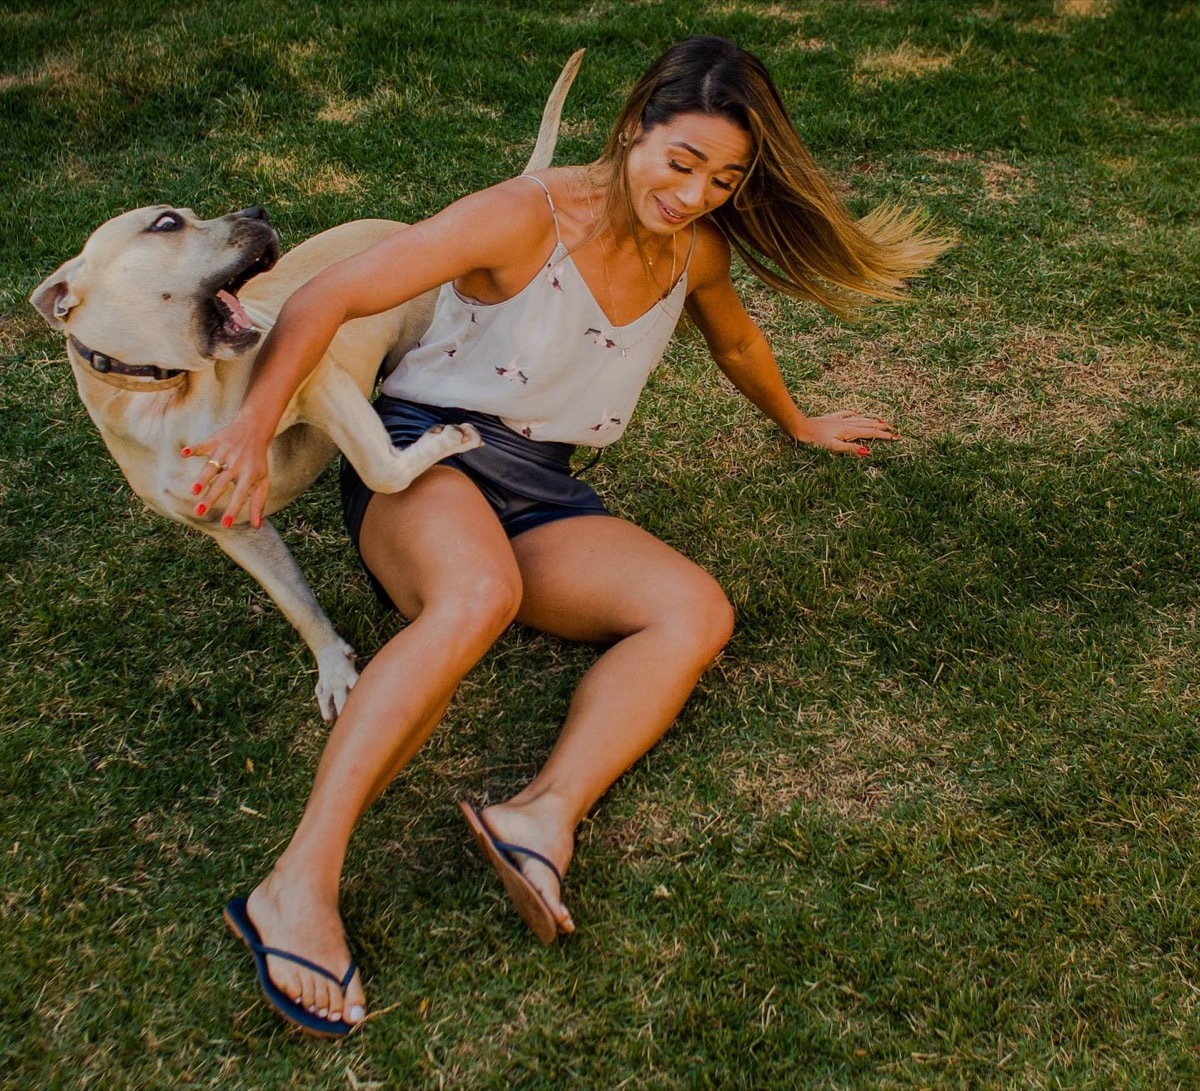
{"points": [[141, 293]]}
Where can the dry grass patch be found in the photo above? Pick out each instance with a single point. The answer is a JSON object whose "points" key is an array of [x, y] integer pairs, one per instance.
{"points": [[298, 175], [595, 12], [905, 62], [1034, 383], [1127, 111], [581, 127], [1001, 181], [856, 766], [297, 57], [1066, 12], [345, 110], [1121, 164], [782, 13], [19, 327], [652, 830], [1083, 9], [61, 72], [1004, 182], [939, 155], [1169, 670], [769, 785]]}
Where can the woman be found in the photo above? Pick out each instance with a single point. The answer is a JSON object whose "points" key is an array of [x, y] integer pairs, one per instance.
{"points": [[560, 292]]}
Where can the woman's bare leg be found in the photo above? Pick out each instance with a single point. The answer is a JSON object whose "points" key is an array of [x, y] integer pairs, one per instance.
{"points": [[440, 553], [598, 578]]}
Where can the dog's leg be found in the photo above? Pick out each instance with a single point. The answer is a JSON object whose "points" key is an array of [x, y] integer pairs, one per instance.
{"points": [[337, 407], [263, 554]]}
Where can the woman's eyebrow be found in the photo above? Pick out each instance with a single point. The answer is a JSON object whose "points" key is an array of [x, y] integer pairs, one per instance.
{"points": [[702, 157]]}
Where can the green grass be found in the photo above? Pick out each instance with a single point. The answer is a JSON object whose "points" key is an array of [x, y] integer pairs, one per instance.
{"points": [[931, 819]]}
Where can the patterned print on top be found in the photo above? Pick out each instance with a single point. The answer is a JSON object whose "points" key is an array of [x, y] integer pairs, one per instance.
{"points": [[532, 360]]}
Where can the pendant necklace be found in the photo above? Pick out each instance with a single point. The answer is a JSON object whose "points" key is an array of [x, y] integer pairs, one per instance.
{"points": [[608, 281]]}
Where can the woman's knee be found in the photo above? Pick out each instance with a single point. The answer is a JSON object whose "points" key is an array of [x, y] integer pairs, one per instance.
{"points": [[471, 608], [702, 615], [718, 621], [438, 550], [484, 601]]}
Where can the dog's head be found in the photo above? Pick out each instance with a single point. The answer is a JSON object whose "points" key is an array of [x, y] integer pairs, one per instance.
{"points": [[158, 286]]}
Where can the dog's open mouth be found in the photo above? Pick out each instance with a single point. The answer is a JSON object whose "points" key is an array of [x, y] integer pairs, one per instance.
{"points": [[230, 327], [237, 321]]}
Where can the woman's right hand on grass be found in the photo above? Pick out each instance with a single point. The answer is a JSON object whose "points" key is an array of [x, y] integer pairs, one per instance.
{"points": [[843, 432]]}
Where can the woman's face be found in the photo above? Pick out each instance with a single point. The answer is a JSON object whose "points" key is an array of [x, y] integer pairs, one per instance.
{"points": [[684, 168]]}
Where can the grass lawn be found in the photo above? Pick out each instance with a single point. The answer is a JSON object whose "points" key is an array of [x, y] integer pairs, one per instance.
{"points": [[930, 822]]}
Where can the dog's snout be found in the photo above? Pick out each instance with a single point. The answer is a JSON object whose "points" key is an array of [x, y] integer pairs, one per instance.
{"points": [[254, 212]]}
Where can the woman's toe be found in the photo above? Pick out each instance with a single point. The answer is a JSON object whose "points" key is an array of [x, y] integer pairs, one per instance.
{"points": [[354, 1003], [322, 997], [287, 979], [308, 993]]}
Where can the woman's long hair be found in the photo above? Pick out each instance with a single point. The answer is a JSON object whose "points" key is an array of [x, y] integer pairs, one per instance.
{"points": [[785, 219]]}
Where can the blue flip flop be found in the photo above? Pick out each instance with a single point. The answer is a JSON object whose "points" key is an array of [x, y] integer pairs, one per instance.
{"points": [[524, 895], [242, 926]]}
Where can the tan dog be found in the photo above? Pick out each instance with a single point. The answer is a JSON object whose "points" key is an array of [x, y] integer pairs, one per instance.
{"points": [[164, 314]]}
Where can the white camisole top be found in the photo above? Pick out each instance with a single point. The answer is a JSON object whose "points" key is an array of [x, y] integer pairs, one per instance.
{"points": [[547, 362]]}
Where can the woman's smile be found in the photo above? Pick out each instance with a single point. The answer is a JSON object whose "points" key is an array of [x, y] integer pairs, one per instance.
{"points": [[669, 214]]}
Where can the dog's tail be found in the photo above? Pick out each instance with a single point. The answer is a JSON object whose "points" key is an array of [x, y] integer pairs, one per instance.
{"points": [[543, 150]]}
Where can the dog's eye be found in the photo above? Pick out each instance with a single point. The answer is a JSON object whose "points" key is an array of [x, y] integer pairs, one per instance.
{"points": [[168, 221]]}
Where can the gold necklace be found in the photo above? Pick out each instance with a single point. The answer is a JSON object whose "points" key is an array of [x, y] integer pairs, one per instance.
{"points": [[608, 281]]}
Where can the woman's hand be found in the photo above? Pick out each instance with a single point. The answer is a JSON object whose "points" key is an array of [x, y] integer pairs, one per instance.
{"points": [[235, 459], [843, 432]]}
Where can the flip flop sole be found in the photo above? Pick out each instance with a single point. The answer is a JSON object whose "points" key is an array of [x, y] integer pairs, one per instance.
{"points": [[521, 892], [240, 924]]}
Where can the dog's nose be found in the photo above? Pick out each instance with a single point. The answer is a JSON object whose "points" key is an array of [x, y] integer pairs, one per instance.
{"points": [[254, 212]]}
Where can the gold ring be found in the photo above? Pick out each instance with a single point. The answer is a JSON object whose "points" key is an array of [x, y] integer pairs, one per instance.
{"points": [[214, 462]]}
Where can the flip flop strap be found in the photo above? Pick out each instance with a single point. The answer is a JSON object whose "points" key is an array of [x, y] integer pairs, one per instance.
{"points": [[301, 961], [509, 849]]}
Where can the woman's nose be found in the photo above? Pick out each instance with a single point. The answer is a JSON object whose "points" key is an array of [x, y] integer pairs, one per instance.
{"points": [[691, 192]]}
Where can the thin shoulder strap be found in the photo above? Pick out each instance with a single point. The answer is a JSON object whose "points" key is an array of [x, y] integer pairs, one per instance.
{"points": [[550, 202], [691, 249]]}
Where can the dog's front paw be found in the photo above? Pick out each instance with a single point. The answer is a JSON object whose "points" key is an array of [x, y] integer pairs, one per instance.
{"points": [[403, 466], [335, 679], [468, 436], [461, 437]]}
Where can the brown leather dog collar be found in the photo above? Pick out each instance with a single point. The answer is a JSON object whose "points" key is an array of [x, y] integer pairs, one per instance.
{"points": [[108, 365]]}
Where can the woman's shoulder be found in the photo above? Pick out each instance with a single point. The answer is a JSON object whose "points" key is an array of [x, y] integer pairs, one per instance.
{"points": [[520, 202], [503, 218], [564, 186]]}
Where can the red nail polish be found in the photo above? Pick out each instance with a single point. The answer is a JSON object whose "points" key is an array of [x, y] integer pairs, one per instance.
{"points": [[201, 509], [197, 489], [862, 452], [186, 452], [227, 521]]}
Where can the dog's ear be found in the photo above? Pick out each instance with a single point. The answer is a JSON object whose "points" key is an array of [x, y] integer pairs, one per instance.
{"points": [[55, 296]]}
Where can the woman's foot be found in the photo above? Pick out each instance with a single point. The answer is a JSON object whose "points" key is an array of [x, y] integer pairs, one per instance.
{"points": [[535, 827], [290, 916]]}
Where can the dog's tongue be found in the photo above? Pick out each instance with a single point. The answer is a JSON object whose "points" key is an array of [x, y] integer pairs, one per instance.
{"points": [[238, 320]]}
